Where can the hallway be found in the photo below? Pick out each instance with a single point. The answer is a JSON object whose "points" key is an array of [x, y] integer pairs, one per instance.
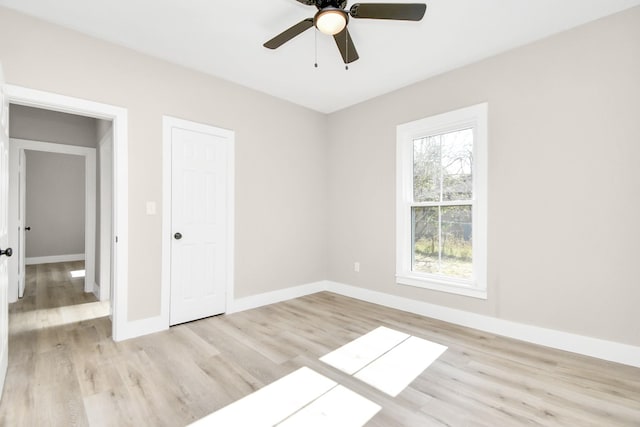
{"points": [[54, 318]]}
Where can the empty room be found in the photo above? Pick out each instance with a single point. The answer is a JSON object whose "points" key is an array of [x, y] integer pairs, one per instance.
{"points": [[319, 213]]}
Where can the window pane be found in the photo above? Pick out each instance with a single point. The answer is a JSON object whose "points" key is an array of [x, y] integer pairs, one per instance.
{"points": [[426, 169], [455, 242], [442, 240], [457, 158], [442, 167], [426, 239]]}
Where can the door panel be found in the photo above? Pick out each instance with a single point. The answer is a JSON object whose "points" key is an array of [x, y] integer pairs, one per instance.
{"points": [[4, 230], [199, 194]]}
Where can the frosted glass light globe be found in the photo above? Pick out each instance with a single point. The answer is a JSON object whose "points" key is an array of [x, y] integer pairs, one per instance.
{"points": [[331, 22]]}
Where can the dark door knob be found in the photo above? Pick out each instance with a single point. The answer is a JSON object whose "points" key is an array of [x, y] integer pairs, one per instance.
{"points": [[27, 228], [177, 236], [8, 252]]}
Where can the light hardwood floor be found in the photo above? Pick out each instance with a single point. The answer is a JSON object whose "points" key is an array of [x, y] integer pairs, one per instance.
{"points": [[64, 369]]}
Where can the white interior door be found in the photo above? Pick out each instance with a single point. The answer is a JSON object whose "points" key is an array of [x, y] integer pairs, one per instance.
{"points": [[22, 227], [199, 222], [4, 231]]}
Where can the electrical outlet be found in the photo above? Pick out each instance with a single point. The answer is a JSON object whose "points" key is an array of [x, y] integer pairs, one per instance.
{"points": [[356, 267]]}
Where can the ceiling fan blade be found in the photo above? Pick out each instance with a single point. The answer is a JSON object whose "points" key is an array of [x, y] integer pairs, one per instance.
{"points": [[308, 2], [399, 11], [346, 46], [287, 35]]}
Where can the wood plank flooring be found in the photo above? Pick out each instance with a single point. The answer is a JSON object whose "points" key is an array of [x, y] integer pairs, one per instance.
{"points": [[64, 369]]}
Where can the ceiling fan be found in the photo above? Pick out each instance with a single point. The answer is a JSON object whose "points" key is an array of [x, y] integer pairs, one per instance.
{"points": [[332, 19]]}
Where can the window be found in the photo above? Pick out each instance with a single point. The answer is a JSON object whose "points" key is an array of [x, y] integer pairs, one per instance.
{"points": [[441, 202]]}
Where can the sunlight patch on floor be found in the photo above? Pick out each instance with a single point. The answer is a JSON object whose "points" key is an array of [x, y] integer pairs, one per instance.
{"points": [[51, 317], [357, 354], [339, 407], [302, 398], [395, 370], [385, 359], [77, 273]]}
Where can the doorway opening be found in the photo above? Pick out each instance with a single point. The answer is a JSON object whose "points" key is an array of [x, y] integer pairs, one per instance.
{"points": [[104, 266], [56, 215]]}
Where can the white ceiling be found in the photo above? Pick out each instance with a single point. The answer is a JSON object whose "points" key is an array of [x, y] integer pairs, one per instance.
{"points": [[224, 38]]}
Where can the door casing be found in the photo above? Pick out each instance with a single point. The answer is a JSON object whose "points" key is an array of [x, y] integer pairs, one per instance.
{"points": [[121, 328], [4, 231], [16, 151], [105, 149]]}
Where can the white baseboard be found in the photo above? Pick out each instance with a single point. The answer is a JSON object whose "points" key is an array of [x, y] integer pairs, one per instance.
{"points": [[151, 325], [53, 258], [137, 328], [594, 347], [254, 301], [588, 346]]}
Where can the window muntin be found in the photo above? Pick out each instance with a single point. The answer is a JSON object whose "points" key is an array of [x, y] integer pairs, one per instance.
{"points": [[441, 231]]}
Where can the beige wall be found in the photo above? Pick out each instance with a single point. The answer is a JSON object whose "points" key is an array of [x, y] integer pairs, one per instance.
{"points": [[564, 139], [51, 126], [54, 199], [54, 204], [564, 143], [102, 127], [280, 165]]}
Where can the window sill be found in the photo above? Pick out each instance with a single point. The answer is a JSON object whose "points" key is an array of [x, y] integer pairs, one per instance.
{"points": [[442, 286]]}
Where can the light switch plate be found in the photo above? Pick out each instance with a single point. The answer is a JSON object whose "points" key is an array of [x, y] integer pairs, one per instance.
{"points": [[151, 208]]}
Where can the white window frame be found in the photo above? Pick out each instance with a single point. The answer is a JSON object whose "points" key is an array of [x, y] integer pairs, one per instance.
{"points": [[474, 117]]}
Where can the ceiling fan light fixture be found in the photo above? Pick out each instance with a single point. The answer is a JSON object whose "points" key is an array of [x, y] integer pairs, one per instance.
{"points": [[330, 21]]}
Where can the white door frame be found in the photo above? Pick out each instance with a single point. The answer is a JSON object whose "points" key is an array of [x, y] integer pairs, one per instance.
{"points": [[168, 123], [4, 233], [106, 225], [16, 146], [118, 115]]}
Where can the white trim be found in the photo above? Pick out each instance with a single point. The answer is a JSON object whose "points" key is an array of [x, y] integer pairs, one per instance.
{"points": [[474, 117], [588, 346], [52, 101], [165, 275], [168, 123], [54, 258], [259, 300], [105, 228], [580, 344], [445, 286], [15, 147], [138, 328]]}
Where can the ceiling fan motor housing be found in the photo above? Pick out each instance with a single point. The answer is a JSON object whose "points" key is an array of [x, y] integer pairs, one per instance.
{"points": [[338, 4], [332, 19]]}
